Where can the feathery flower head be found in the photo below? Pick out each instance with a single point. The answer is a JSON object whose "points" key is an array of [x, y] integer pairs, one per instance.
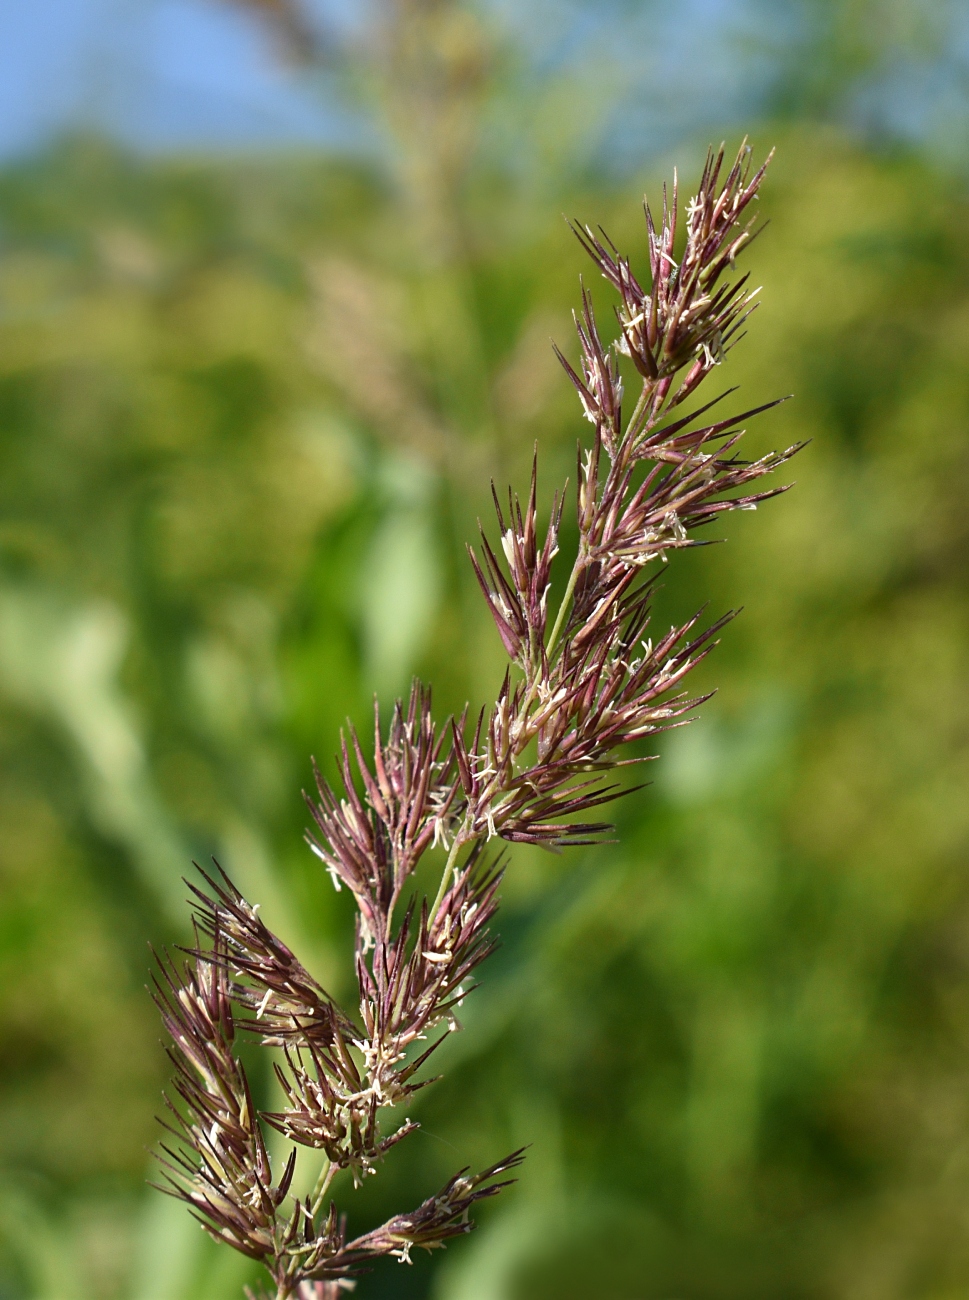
{"points": [[533, 768]]}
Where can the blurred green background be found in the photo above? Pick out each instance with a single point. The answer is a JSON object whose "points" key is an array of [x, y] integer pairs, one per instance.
{"points": [[250, 401]]}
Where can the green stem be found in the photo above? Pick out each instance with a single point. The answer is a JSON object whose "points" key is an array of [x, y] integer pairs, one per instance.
{"points": [[452, 858], [640, 407], [322, 1184], [566, 601]]}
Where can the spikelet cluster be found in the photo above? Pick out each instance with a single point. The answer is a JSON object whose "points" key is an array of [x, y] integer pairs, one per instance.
{"points": [[535, 767]]}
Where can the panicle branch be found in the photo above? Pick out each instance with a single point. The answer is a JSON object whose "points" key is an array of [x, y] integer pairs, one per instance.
{"points": [[230, 1186], [644, 486], [534, 768]]}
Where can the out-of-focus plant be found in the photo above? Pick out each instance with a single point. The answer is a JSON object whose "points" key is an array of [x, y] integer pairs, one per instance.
{"points": [[579, 689]]}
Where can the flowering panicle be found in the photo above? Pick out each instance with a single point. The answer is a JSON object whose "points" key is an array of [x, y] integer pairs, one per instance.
{"points": [[532, 768]]}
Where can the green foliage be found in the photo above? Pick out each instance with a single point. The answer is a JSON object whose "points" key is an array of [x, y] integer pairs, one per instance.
{"points": [[233, 401]]}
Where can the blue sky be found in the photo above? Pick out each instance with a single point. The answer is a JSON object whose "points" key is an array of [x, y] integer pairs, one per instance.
{"points": [[199, 75], [161, 74]]}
